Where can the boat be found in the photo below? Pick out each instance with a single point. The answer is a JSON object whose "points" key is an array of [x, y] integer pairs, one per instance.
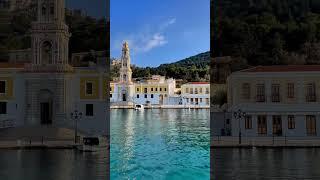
{"points": [[138, 107], [93, 144]]}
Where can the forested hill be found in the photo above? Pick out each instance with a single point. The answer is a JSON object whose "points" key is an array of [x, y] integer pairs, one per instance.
{"points": [[195, 68], [267, 32], [88, 33]]}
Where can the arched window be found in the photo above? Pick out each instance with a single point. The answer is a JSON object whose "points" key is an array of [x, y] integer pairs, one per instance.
{"points": [[44, 9], [124, 77], [52, 9], [46, 53]]}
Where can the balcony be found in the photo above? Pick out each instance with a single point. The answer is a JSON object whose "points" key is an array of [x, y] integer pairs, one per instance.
{"points": [[311, 98]]}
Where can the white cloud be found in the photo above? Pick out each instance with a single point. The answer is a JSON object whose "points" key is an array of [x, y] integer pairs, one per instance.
{"points": [[147, 39]]}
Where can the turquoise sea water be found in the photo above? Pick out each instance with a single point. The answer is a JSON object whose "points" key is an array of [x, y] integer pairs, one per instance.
{"points": [[160, 144]]}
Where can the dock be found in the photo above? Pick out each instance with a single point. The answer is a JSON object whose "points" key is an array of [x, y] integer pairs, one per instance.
{"points": [[264, 142]]}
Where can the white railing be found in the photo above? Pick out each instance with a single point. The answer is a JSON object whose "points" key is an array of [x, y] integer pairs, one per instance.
{"points": [[8, 123]]}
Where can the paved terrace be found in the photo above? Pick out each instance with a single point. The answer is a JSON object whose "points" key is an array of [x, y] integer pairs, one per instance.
{"points": [[267, 142], [38, 137]]}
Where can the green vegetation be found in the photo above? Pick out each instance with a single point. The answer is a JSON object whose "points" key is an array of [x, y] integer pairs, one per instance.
{"points": [[88, 33], [267, 32], [195, 68], [219, 97]]}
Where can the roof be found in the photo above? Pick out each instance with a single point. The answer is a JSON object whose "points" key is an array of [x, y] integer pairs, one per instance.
{"points": [[198, 83], [11, 65], [283, 68]]}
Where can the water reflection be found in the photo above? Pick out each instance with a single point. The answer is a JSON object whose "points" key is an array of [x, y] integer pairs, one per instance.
{"points": [[52, 164], [266, 163], [164, 144]]}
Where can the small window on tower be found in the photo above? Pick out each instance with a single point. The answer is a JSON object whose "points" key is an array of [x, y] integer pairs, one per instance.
{"points": [[52, 9], [44, 9], [89, 88]]}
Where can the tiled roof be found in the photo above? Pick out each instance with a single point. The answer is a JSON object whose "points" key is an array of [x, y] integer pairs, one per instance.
{"points": [[198, 83], [283, 68], [11, 65]]}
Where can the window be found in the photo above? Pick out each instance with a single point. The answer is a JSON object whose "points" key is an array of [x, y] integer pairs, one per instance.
{"points": [[145, 96], [207, 90], [137, 95], [187, 90], [3, 107], [160, 89], [2, 87], [246, 91], [138, 89], [207, 101], [200, 100], [52, 9], [156, 89], [262, 125], [311, 92], [196, 90], [111, 95], [311, 125], [89, 88], [191, 90], [260, 93], [151, 89], [290, 93], [248, 122], [145, 90], [275, 92], [291, 122], [44, 9], [151, 95], [191, 100], [89, 109], [165, 89], [200, 90], [276, 125]]}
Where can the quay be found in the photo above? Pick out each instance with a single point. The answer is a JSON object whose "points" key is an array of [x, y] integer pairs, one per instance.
{"points": [[161, 107], [264, 142]]}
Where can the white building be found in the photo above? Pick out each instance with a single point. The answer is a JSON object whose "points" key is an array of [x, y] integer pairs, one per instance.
{"points": [[278, 101], [196, 94], [46, 90]]}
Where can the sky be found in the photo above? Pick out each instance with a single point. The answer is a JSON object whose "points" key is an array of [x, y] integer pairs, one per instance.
{"points": [[160, 31]]}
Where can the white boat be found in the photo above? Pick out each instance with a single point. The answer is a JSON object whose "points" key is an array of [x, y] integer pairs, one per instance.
{"points": [[93, 144], [138, 107]]}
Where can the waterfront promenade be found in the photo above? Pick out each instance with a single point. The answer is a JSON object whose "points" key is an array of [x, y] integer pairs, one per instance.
{"points": [[269, 141], [162, 107]]}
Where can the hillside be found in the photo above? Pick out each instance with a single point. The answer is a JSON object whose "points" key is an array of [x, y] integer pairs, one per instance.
{"points": [[88, 33], [194, 68], [267, 32]]}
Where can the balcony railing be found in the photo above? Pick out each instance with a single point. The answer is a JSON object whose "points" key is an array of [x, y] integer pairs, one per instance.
{"points": [[311, 98]]}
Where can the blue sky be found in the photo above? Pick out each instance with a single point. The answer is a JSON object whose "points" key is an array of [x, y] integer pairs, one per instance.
{"points": [[160, 31]]}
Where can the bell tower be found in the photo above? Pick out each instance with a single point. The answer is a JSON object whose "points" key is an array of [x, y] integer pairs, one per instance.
{"points": [[125, 70], [50, 36]]}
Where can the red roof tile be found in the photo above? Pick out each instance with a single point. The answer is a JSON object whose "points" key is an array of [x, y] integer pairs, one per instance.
{"points": [[283, 68], [11, 65], [198, 83]]}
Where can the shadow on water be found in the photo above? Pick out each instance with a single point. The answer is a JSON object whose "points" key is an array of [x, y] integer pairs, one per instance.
{"points": [[265, 163], [52, 165]]}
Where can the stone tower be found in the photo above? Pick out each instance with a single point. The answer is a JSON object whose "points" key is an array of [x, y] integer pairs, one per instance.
{"points": [[125, 70], [48, 75], [50, 36]]}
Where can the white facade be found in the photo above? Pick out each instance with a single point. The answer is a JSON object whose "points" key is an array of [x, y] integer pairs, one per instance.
{"points": [[46, 90], [278, 101], [196, 94]]}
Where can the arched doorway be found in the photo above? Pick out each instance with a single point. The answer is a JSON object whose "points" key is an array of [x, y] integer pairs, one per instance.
{"points": [[46, 53], [46, 101], [124, 95]]}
